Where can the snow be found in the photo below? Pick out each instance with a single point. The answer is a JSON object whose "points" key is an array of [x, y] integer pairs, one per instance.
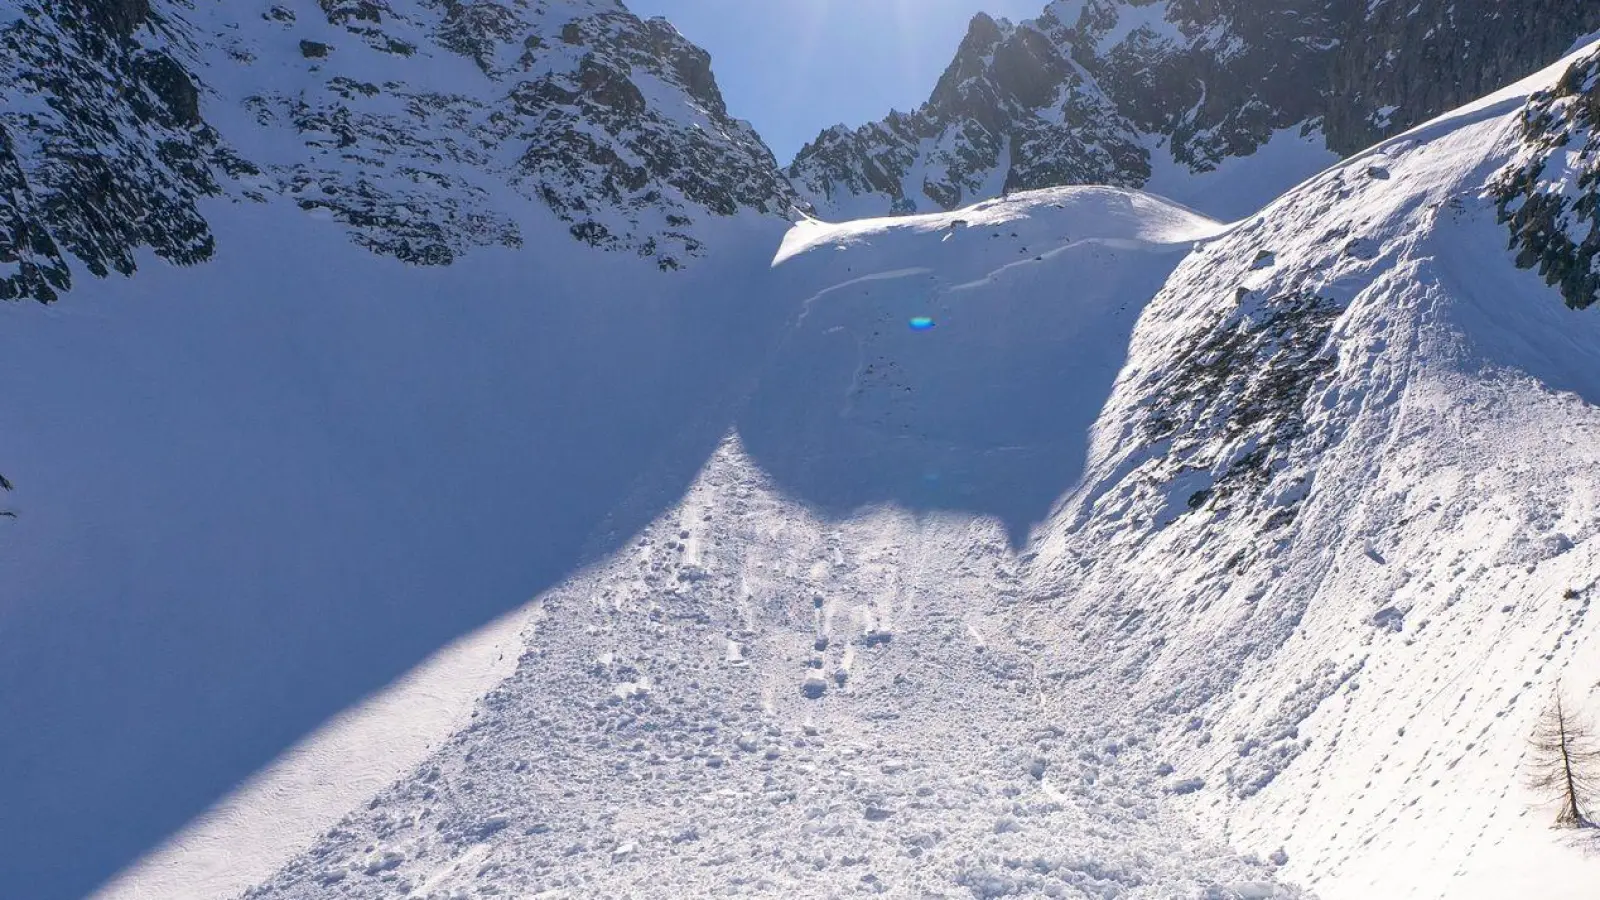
{"points": [[1583, 43], [776, 777], [243, 314], [1241, 185], [552, 572], [341, 766], [1365, 688], [1151, 19], [888, 414], [403, 454], [1100, 214]]}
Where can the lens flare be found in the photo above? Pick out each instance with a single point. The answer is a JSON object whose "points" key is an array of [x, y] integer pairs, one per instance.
{"points": [[922, 323]]}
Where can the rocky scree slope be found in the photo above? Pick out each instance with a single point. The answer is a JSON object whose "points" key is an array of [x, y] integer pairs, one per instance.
{"points": [[1107, 91], [423, 127]]}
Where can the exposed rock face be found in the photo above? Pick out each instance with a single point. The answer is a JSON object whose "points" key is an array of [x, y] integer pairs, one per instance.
{"points": [[119, 115], [632, 156], [116, 17], [426, 127], [1094, 91], [557, 109], [1550, 196], [1250, 375], [102, 150], [1213, 78], [1011, 112], [1402, 62]]}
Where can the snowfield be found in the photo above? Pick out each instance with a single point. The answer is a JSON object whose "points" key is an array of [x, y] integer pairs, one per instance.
{"points": [[1073, 544]]}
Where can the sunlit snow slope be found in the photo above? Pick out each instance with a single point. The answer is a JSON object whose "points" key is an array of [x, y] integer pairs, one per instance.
{"points": [[1329, 548], [1339, 532]]}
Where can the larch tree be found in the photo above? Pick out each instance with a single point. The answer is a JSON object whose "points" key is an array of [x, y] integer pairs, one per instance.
{"points": [[1566, 763]]}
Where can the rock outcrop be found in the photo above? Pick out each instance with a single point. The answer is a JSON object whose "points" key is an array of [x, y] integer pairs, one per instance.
{"points": [[1550, 196], [102, 148]]}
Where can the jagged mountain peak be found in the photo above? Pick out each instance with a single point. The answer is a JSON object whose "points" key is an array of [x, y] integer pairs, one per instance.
{"points": [[1014, 64], [1126, 91], [425, 128], [613, 122]]}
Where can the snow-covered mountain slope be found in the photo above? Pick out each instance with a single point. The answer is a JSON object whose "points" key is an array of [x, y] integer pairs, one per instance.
{"points": [[1339, 531], [1029, 300], [804, 680], [257, 486], [250, 494], [426, 129], [1022, 549], [1331, 549], [754, 701], [1121, 92]]}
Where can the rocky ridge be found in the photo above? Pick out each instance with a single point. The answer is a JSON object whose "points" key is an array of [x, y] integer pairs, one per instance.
{"points": [[123, 116], [1105, 91], [102, 147], [425, 127], [1550, 195]]}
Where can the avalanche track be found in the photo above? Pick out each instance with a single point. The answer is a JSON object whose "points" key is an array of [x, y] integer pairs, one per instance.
{"points": [[1318, 540], [1072, 544]]}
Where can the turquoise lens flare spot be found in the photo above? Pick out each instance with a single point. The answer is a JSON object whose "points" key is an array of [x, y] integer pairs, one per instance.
{"points": [[921, 323]]}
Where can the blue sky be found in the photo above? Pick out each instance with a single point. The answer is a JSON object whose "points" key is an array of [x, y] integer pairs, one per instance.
{"points": [[794, 67]]}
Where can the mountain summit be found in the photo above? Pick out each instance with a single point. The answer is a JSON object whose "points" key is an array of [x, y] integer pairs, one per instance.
{"points": [[1120, 92]]}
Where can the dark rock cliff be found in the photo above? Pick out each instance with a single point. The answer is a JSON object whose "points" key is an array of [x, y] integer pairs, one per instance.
{"points": [[102, 149], [1092, 89]]}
